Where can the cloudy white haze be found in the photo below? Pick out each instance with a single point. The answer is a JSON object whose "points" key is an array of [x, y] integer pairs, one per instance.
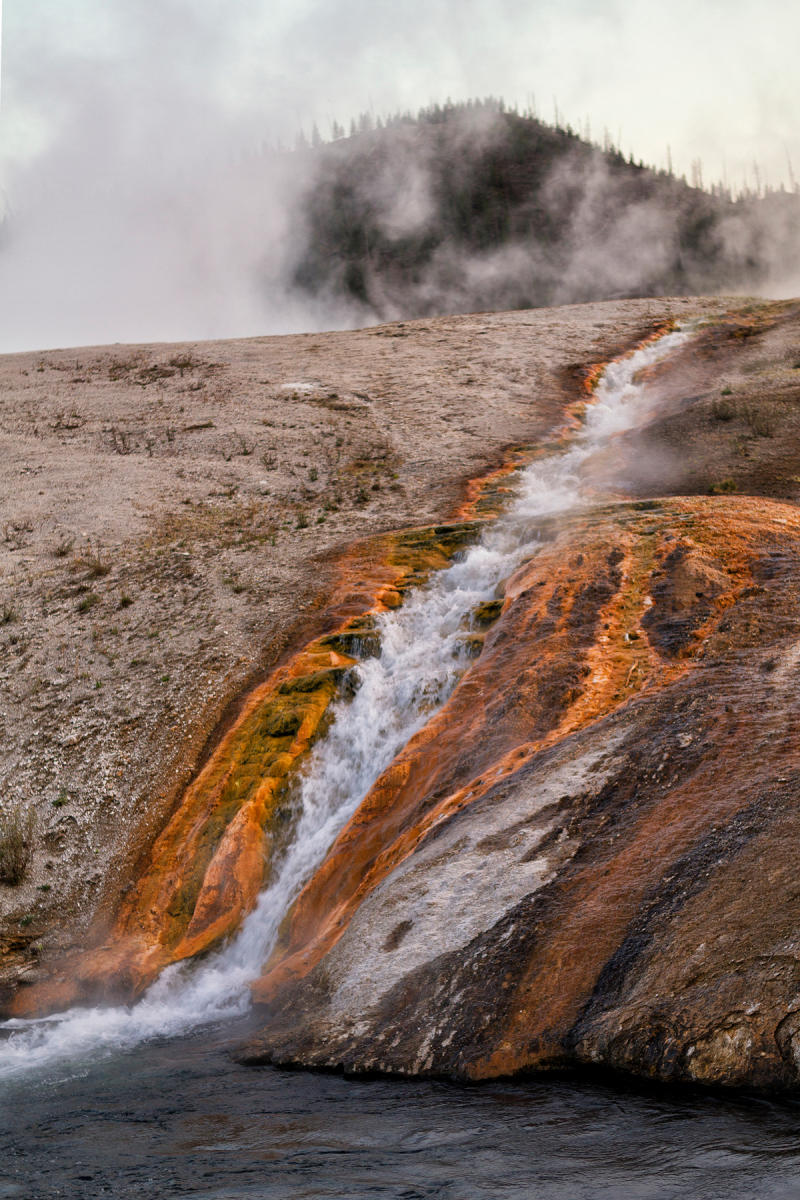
{"points": [[139, 205]]}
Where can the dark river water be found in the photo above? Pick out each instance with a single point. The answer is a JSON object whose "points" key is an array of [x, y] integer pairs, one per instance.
{"points": [[180, 1118]]}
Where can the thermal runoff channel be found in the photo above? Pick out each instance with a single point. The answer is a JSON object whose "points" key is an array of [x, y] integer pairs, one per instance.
{"points": [[422, 657]]}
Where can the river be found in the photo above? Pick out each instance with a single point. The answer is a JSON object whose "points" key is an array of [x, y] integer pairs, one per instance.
{"points": [[178, 1118]]}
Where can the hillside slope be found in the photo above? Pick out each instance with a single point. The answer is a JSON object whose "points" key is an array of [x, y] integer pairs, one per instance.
{"points": [[471, 208], [585, 856], [175, 522]]}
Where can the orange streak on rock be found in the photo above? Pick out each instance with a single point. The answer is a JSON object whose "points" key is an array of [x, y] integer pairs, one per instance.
{"points": [[206, 868], [597, 907], [434, 776]]}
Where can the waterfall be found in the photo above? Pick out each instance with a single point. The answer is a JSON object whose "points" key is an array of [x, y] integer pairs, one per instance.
{"points": [[422, 658]]}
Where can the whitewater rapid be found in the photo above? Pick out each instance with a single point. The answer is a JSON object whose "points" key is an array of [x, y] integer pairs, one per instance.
{"points": [[422, 658]]}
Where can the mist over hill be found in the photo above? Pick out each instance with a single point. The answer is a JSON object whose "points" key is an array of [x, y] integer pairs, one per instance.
{"points": [[471, 207], [192, 233]]}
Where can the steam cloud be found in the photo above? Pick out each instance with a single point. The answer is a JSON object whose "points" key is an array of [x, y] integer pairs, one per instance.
{"points": [[151, 211], [141, 200]]}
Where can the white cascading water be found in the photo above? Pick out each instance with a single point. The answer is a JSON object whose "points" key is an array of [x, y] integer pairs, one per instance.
{"points": [[420, 663]]}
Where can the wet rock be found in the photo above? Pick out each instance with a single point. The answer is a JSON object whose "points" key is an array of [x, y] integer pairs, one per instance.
{"points": [[204, 871], [586, 856], [487, 613]]}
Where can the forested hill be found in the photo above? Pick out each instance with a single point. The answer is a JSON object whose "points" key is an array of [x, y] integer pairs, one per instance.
{"points": [[472, 207]]}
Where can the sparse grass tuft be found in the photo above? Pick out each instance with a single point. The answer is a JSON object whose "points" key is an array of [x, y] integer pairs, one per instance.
{"points": [[90, 565], [96, 568]]}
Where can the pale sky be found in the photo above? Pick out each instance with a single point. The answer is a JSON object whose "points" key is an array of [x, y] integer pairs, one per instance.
{"points": [[714, 79], [125, 127]]}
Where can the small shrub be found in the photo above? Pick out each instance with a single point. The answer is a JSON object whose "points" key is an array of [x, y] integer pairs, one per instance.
{"points": [[240, 447], [63, 548], [7, 615], [723, 410], [16, 844], [125, 601], [153, 374], [119, 440], [183, 362], [760, 419], [722, 487], [87, 602]]}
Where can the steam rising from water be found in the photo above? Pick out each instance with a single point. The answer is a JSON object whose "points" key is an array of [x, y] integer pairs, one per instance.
{"points": [[420, 663]]}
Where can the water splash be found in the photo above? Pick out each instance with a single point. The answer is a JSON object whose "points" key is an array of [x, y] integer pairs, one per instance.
{"points": [[422, 657]]}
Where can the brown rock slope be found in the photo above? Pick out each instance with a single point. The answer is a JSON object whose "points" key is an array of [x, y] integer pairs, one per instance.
{"points": [[173, 522], [589, 854], [586, 855]]}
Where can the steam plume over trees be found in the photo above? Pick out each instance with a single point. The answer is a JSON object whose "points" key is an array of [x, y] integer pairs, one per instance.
{"points": [[475, 206]]}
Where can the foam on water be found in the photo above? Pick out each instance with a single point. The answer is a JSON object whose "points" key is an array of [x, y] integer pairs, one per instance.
{"points": [[420, 663]]}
